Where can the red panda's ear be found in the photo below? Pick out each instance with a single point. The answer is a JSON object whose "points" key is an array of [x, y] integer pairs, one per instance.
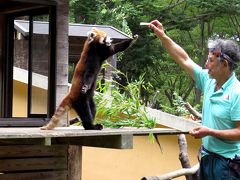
{"points": [[108, 41], [91, 36]]}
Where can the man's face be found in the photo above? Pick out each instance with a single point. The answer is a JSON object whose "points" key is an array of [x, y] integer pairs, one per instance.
{"points": [[213, 65]]}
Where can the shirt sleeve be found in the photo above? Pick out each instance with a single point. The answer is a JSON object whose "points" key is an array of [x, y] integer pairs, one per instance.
{"points": [[235, 109], [201, 77]]}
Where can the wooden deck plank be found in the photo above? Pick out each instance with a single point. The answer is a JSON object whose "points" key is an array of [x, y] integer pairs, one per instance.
{"points": [[75, 131], [114, 141], [108, 138], [47, 175], [13, 151], [23, 164]]}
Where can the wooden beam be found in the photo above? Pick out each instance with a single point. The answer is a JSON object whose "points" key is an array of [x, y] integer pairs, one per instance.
{"points": [[17, 151], [47, 175], [114, 141], [107, 138], [46, 2], [172, 121], [24, 141], [76, 131], [20, 8], [22, 164]]}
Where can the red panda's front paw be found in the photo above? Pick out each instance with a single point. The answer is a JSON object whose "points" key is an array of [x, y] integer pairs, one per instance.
{"points": [[135, 37], [84, 89]]}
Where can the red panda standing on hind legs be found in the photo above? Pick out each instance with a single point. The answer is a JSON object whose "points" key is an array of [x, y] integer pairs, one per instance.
{"points": [[97, 48]]}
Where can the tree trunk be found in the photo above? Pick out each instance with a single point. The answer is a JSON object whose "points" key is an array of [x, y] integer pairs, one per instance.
{"points": [[183, 155]]}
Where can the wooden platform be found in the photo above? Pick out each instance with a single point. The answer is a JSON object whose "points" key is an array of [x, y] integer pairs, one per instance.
{"points": [[31, 153], [74, 135], [28, 153]]}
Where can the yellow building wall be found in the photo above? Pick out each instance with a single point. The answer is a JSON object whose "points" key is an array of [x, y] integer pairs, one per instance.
{"points": [[145, 159], [39, 100], [19, 99]]}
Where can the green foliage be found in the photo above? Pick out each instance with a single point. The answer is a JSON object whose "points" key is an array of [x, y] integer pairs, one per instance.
{"points": [[114, 12], [70, 72], [188, 22], [178, 106], [216, 6], [116, 109]]}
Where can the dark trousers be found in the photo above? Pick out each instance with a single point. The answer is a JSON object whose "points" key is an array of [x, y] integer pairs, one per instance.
{"points": [[216, 168]]}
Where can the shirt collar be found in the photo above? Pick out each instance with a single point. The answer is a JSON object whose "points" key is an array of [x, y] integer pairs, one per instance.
{"points": [[229, 81]]}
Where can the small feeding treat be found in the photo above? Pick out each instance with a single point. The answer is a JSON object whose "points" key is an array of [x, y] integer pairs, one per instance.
{"points": [[144, 24]]}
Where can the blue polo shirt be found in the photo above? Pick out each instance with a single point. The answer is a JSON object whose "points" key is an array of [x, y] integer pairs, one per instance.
{"points": [[221, 110]]}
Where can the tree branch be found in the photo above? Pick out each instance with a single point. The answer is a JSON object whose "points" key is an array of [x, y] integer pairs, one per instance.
{"points": [[193, 111], [188, 171], [174, 174]]}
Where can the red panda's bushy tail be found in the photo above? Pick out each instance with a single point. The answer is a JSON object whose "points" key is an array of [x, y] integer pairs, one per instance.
{"points": [[64, 107], [60, 111]]}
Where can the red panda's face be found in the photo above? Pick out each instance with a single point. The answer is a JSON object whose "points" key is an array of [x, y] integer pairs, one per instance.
{"points": [[98, 36]]}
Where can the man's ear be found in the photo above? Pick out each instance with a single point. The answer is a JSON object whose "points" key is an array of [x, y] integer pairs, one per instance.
{"points": [[225, 63]]}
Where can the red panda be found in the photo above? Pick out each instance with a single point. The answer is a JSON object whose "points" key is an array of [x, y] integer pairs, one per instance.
{"points": [[97, 48]]}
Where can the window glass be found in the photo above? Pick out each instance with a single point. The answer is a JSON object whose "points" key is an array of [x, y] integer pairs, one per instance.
{"points": [[30, 71]]}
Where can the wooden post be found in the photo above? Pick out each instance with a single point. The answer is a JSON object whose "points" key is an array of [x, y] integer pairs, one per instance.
{"points": [[62, 54], [74, 152], [74, 163]]}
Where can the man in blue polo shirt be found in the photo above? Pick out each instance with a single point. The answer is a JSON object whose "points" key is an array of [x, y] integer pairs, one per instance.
{"points": [[220, 130]]}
